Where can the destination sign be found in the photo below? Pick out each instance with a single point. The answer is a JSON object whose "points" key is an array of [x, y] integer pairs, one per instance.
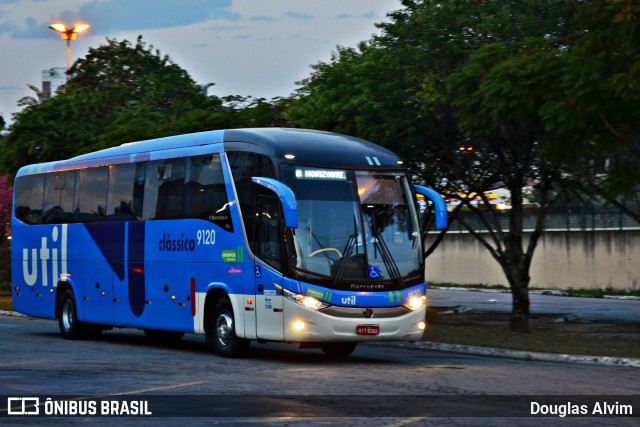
{"points": [[321, 174]]}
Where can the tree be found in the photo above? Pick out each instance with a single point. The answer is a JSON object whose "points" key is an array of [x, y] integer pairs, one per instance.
{"points": [[597, 97], [120, 92], [31, 101], [498, 96], [407, 88], [6, 199]]}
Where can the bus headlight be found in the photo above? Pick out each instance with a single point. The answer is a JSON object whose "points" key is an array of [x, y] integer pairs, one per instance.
{"points": [[416, 303], [304, 300]]}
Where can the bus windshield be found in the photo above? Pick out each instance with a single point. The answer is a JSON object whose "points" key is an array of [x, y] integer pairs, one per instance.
{"points": [[354, 226]]}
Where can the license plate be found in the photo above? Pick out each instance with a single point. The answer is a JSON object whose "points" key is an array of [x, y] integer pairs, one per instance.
{"points": [[368, 329]]}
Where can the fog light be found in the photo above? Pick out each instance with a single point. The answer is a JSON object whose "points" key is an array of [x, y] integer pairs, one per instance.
{"points": [[422, 325], [298, 325]]}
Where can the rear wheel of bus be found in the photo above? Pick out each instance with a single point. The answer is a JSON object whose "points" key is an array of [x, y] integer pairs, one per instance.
{"points": [[221, 334], [70, 327]]}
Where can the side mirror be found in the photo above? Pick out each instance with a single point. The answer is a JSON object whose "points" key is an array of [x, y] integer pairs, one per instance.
{"points": [[286, 197], [440, 206]]}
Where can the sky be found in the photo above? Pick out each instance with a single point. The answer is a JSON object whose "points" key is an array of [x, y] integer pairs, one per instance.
{"points": [[256, 48]]}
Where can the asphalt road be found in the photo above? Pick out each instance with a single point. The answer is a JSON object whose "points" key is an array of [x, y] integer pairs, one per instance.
{"points": [[589, 309], [280, 385]]}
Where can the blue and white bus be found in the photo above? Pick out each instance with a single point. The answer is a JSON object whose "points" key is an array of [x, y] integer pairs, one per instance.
{"points": [[268, 234]]}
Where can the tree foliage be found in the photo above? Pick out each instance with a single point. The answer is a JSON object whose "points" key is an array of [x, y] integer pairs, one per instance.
{"points": [[479, 94], [6, 198], [120, 92], [599, 101]]}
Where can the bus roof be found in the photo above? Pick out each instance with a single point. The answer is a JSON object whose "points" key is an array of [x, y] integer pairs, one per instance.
{"points": [[310, 147]]}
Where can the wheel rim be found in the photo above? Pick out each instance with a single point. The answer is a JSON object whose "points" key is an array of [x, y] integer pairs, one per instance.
{"points": [[224, 328], [67, 315]]}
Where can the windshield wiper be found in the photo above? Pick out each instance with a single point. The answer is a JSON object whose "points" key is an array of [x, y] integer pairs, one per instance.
{"points": [[387, 258], [346, 253]]}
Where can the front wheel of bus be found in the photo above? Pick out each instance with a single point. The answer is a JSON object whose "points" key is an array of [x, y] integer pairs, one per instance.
{"points": [[221, 334], [70, 327]]}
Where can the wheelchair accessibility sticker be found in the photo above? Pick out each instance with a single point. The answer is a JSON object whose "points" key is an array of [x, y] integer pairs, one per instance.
{"points": [[374, 272]]}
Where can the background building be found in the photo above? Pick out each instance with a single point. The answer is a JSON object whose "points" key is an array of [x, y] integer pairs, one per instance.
{"points": [[52, 79]]}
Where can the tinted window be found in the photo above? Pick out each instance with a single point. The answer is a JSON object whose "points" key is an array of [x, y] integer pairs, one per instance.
{"points": [[268, 230], [92, 194], [124, 201], [58, 197], [28, 202], [243, 167], [164, 189], [205, 195]]}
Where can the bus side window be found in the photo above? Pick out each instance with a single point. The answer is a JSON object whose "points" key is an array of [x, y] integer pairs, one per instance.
{"points": [[28, 205], [205, 194], [138, 188], [163, 189], [120, 201], [268, 230], [243, 167], [58, 197], [91, 190]]}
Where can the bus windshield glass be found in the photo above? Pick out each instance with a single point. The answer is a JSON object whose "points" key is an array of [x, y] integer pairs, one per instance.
{"points": [[354, 226]]}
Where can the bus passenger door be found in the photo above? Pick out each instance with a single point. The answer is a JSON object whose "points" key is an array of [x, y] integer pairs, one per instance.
{"points": [[268, 248]]}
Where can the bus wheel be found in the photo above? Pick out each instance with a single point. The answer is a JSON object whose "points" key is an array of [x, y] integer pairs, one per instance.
{"points": [[70, 327], [163, 337], [338, 350], [221, 334]]}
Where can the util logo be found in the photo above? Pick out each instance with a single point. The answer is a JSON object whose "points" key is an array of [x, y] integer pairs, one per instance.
{"points": [[349, 300], [55, 256]]}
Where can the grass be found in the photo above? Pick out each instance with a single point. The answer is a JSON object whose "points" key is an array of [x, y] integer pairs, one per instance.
{"points": [[5, 301], [545, 336]]}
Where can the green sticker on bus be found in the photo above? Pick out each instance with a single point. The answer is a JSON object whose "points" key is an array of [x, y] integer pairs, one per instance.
{"points": [[315, 293], [229, 256]]}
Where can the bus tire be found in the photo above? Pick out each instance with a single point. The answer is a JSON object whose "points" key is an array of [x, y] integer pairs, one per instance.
{"points": [[70, 327], [163, 337], [338, 350], [221, 334]]}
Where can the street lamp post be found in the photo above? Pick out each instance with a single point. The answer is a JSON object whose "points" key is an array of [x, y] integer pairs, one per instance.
{"points": [[68, 34]]}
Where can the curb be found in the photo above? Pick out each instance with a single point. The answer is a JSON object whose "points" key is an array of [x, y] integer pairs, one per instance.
{"points": [[519, 355], [11, 313]]}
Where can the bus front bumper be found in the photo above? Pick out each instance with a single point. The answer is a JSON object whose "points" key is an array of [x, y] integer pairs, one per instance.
{"points": [[350, 324]]}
